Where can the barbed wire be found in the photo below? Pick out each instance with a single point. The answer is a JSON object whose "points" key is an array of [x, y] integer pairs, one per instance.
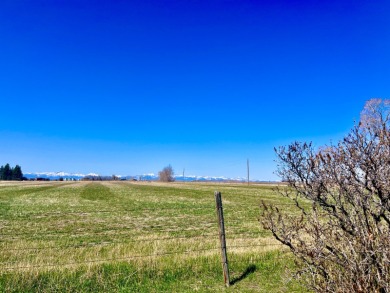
{"points": [[91, 244], [202, 266], [123, 232], [250, 259], [135, 226], [138, 210], [281, 256], [234, 207], [110, 259], [227, 219], [227, 209], [254, 245], [207, 225]]}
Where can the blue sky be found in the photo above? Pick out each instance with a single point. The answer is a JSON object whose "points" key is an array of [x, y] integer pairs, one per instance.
{"points": [[128, 87]]}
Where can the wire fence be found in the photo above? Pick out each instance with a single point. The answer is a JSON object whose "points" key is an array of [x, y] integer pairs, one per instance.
{"points": [[194, 234]]}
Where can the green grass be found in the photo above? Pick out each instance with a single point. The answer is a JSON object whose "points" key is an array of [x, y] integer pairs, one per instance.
{"points": [[136, 237]]}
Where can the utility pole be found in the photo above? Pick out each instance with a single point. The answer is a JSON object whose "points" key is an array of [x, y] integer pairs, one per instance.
{"points": [[247, 167], [183, 172]]}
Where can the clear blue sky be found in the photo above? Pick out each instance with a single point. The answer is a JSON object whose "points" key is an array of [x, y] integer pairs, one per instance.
{"points": [[127, 87]]}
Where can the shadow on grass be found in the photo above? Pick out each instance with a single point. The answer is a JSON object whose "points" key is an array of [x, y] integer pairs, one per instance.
{"points": [[249, 270]]}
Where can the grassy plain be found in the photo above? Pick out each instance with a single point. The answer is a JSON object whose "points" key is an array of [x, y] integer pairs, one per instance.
{"points": [[136, 237]]}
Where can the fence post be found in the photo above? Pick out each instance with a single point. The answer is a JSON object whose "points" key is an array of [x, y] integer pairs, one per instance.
{"points": [[221, 225]]}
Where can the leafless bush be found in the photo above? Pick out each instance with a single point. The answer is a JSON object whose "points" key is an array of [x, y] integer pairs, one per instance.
{"points": [[166, 174], [341, 238]]}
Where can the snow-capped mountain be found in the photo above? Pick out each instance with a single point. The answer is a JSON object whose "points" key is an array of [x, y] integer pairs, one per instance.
{"points": [[143, 177], [189, 178], [55, 175]]}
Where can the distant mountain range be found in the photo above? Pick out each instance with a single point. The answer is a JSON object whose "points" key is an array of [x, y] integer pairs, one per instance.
{"points": [[143, 177], [56, 175]]}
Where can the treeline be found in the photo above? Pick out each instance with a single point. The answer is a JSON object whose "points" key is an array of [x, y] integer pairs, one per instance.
{"points": [[9, 173], [100, 178]]}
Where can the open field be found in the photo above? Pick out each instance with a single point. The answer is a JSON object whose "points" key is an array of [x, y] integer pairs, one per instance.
{"points": [[136, 237]]}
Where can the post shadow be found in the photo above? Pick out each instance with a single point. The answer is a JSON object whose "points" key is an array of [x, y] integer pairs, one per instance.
{"points": [[249, 270]]}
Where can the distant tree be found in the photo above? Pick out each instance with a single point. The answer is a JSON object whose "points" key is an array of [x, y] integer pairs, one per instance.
{"points": [[17, 173], [166, 174], [340, 235], [7, 172]]}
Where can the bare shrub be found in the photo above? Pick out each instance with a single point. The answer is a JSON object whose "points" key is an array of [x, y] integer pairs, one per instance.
{"points": [[341, 235], [166, 174]]}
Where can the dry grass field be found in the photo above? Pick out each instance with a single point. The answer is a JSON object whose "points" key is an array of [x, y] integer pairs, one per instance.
{"points": [[137, 237]]}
